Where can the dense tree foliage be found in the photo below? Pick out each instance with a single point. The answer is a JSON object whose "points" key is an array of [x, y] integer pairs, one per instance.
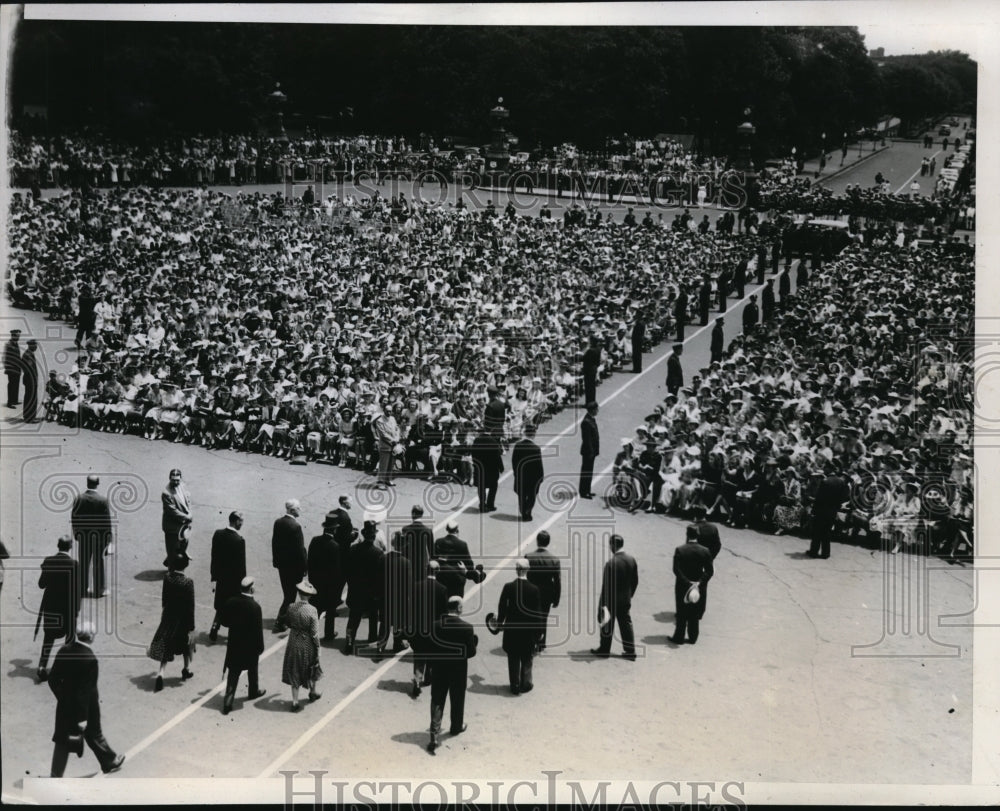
{"points": [[577, 84]]}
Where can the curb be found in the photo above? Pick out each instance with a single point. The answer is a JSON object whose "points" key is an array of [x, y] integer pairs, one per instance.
{"points": [[847, 167]]}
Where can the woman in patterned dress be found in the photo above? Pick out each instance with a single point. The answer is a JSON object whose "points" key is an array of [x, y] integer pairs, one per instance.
{"points": [[173, 636], [301, 665]]}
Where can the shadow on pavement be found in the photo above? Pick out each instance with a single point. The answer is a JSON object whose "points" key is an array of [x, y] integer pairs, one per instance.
{"points": [[480, 687], [22, 669], [395, 685], [657, 640], [507, 518], [151, 575], [585, 656], [416, 738], [665, 616], [798, 556]]}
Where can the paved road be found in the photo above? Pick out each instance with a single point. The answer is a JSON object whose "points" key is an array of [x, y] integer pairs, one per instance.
{"points": [[775, 690]]}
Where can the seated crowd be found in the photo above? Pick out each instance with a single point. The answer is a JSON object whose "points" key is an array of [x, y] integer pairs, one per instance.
{"points": [[238, 322], [863, 373]]}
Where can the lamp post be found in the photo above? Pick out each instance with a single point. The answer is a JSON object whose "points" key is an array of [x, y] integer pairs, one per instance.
{"points": [[822, 154], [276, 101], [497, 156]]}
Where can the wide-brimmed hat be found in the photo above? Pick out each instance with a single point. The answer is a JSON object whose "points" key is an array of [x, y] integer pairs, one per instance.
{"points": [[305, 587]]}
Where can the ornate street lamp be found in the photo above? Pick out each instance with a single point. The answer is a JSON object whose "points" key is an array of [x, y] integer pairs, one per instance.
{"points": [[277, 101]]}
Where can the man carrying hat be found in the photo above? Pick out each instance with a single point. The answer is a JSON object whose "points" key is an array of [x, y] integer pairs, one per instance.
{"points": [[242, 615], [519, 616], [618, 585], [73, 682], [288, 556], [692, 568], [60, 582], [455, 643], [228, 566]]}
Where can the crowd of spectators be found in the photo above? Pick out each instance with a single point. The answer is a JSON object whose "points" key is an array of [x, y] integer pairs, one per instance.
{"points": [[863, 372], [249, 322]]}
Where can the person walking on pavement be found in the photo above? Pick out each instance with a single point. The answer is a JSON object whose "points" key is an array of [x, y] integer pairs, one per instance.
{"points": [[718, 340], [526, 462], [73, 681], [366, 575], [784, 289], [387, 437], [740, 277], [638, 341], [324, 565], [430, 602], [767, 301], [455, 643], [12, 368], [455, 560], [590, 449], [544, 573], [343, 532], [176, 515], [90, 519], [288, 556], [228, 566], [518, 614], [417, 542], [61, 597], [487, 458], [173, 635], [618, 586], [301, 666], [692, 571], [29, 380], [723, 282], [591, 364], [397, 596], [675, 373], [242, 616], [708, 533]]}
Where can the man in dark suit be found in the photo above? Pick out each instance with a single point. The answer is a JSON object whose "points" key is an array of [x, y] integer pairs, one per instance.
{"points": [[60, 582], [767, 301], [761, 262], [92, 528], [323, 563], [397, 595], [365, 577], [545, 575], [638, 340], [495, 413], [343, 533], [590, 449], [176, 515], [417, 542], [29, 380], [675, 373], [430, 601], [526, 461], [751, 315], [832, 493], [519, 616], [723, 282], [12, 368], [288, 556], [784, 289], [86, 320], [740, 277], [708, 533], [591, 363], [718, 340], [73, 682], [681, 311], [487, 457], [228, 565], [454, 644], [692, 564], [618, 585], [705, 298], [455, 560], [241, 614]]}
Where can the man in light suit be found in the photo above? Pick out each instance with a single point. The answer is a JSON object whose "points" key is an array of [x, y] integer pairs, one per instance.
{"points": [[621, 579], [288, 556], [92, 528], [176, 515], [73, 681], [526, 461], [518, 615], [544, 573], [228, 566], [589, 449]]}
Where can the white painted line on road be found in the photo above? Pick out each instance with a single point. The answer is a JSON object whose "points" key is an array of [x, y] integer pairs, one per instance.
{"points": [[907, 181], [312, 731]]}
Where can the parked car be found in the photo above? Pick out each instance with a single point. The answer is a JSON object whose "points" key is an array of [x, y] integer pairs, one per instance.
{"points": [[944, 130]]}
